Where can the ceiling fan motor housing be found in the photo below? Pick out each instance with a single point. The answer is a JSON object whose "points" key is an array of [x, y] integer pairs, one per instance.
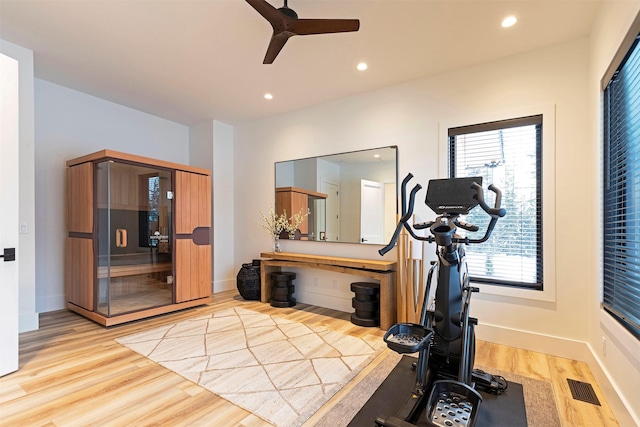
{"points": [[289, 12]]}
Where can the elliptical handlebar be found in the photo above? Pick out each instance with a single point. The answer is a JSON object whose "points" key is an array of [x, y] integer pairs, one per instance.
{"points": [[403, 193], [407, 212], [495, 213]]}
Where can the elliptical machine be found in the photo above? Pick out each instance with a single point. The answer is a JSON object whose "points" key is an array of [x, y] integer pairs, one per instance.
{"points": [[445, 340]]}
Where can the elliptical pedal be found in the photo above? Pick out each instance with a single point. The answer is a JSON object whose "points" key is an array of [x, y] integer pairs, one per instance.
{"points": [[452, 403], [408, 337]]}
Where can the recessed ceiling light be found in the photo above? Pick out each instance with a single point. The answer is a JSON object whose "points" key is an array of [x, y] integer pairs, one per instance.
{"points": [[268, 96], [362, 66], [509, 21]]}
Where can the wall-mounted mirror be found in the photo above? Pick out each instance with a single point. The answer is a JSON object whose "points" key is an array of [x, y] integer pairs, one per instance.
{"points": [[351, 197]]}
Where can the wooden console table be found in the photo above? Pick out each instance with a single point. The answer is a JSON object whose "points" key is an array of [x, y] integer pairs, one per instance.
{"points": [[381, 270]]}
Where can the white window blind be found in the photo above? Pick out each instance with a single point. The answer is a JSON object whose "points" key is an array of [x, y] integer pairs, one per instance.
{"points": [[508, 154]]}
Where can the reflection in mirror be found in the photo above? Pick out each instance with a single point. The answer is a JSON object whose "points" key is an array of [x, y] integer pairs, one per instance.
{"points": [[350, 197]]}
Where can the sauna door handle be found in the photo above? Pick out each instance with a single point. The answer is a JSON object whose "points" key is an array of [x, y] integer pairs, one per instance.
{"points": [[121, 238]]}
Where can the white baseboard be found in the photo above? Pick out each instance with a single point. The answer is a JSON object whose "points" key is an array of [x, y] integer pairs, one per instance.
{"points": [[28, 322], [624, 411], [50, 303], [334, 302], [566, 348], [224, 285], [548, 344]]}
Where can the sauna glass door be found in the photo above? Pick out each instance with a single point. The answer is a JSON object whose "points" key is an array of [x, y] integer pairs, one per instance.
{"points": [[135, 261]]}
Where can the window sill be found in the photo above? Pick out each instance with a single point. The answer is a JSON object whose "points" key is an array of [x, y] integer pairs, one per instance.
{"points": [[548, 294]]}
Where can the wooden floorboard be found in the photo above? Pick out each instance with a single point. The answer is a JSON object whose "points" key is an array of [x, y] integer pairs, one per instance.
{"points": [[73, 373]]}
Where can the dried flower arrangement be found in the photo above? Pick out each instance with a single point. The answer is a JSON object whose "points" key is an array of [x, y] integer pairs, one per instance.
{"points": [[275, 224], [295, 220]]}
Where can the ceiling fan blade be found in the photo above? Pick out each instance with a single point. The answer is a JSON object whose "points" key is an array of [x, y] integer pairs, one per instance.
{"points": [[269, 12], [323, 26], [285, 24], [275, 46]]}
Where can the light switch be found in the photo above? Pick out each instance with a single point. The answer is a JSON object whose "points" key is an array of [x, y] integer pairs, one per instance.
{"points": [[24, 228]]}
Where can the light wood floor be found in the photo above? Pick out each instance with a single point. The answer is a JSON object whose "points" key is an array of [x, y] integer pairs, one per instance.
{"points": [[73, 373]]}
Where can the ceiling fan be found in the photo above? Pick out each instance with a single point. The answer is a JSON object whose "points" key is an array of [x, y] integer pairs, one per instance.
{"points": [[285, 23]]}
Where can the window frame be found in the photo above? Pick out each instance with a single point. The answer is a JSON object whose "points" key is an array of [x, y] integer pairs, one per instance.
{"points": [[618, 61], [516, 122], [548, 292]]}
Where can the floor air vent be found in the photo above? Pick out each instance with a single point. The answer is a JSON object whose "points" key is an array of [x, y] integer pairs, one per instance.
{"points": [[583, 391]]}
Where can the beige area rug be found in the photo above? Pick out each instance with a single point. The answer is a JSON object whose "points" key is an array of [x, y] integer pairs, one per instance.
{"points": [[280, 370], [538, 397]]}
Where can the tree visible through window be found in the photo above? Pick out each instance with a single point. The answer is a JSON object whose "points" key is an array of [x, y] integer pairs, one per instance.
{"points": [[508, 154], [148, 215]]}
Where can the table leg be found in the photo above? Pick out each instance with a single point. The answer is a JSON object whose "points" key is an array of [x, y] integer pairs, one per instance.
{"points": [[387, 301], [265, 280]]}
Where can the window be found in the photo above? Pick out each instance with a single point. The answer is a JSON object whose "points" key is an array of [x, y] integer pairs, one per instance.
{"points": [[621, 191], [507, 153], [149, 212]]}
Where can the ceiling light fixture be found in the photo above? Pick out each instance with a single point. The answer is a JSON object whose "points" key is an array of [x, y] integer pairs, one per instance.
{"points": [[362, 66], [509, 21], [268, 96]]}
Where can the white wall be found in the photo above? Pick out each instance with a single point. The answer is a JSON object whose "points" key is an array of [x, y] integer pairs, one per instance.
{"points": [[70, 124], [619, 354], [225, 266], [409, 115], [28, 316]]}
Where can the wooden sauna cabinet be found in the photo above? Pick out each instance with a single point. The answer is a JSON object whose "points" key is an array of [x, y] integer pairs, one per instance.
{"points": [[293, 200], [138, 237]]}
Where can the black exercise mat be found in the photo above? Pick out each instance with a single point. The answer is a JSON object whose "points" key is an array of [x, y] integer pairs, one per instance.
{"points": [[506, 409]]}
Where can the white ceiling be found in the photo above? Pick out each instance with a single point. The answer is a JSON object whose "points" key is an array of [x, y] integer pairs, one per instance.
{"points": [[196, 60]]}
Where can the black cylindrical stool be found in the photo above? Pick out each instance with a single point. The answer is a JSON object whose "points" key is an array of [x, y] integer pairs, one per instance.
{"points": [[282, 289], [248, 281], [367, 304]]}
